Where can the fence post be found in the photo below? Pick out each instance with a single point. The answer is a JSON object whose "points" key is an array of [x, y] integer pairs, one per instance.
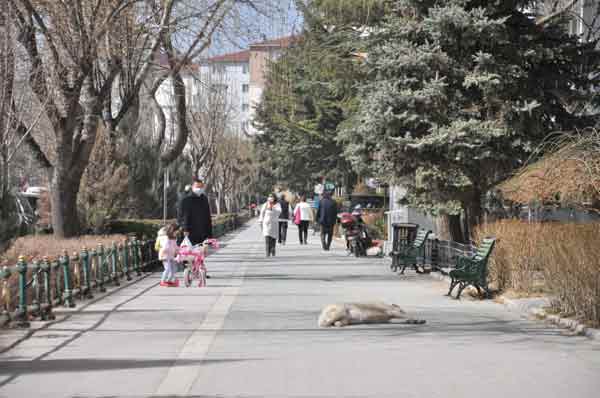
{"points": [[67, 293], [5, 296], [142, 245], [76, 282], [47, 314], [93, 268], [85, 259], [54, 268], [113, 263], [136, 256], [21, 318], [150, 258], [125, 248], [99, 254], [36, 305], [435, 259]]}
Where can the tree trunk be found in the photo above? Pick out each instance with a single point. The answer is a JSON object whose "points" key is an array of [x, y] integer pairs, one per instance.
{"points": [[449, 228], [63, 198], [473, 213], [218, 203], [73, 152], [179, 113]]}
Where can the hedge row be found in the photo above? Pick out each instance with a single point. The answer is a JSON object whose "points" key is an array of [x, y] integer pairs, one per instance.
{"points": [[148, 228]]}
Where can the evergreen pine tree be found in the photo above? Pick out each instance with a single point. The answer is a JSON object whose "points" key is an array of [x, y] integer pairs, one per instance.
{"points": [[459, 94]]}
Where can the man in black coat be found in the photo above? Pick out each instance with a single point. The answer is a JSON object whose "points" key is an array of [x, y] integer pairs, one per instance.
{"points": [[196, 220], [187, 191], [327, 217]]}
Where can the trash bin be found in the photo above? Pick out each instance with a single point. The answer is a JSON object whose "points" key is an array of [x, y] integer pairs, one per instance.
{"points": [[403, 234]]}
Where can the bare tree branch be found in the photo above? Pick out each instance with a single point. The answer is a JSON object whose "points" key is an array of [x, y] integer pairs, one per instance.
{"points": [[556, 13]]}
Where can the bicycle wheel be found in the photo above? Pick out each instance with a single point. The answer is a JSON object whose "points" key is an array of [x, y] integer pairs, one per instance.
{"points": [[187, 277]]}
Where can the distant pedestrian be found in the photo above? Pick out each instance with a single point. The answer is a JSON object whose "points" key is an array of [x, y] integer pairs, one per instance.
{"points": [[269, 223], [316, 203], [284, 218], [327, 217], [302, 217]]}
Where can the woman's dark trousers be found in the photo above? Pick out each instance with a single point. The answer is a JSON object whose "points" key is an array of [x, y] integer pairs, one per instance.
{"points": [[283, 226], [270, 245], [326, 236], [303, 231]]}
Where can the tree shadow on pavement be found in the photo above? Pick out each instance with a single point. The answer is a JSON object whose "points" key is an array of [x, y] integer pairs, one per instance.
{"points": [[86, 364]]}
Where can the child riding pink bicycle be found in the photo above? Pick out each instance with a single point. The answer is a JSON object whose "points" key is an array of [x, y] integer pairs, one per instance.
{"points": [[171, 254], [195, 255]]}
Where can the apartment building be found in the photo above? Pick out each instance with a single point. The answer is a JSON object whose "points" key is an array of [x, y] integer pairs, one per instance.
{"points": [[237, 79], [261, 54], [228, 77]]}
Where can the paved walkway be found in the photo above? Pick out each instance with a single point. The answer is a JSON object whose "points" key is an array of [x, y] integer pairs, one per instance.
{"points": [[253, 333]]}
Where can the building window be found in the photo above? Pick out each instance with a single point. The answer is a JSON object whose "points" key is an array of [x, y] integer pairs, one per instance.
{"points": [[245, 107], [245, 69], [218, 68], [245, 88], [217, 87]]}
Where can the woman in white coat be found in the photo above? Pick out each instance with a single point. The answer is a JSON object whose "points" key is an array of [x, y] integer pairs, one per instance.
{"points": [[269, 223]]}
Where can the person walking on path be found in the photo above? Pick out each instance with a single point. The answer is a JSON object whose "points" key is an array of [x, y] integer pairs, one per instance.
{"points": [[316, 203], [284, 218], [187, 191], [269, 223], [327, 217], [196, 219], [302, 217], [195, 214]]}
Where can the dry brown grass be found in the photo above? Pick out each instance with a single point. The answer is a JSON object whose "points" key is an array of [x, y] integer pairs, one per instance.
{"points": [[562, 260], [38, 246], [569, 173]]}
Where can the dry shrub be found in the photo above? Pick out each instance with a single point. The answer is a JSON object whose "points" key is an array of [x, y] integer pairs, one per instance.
{"points": [[362, 189], [44, 211], [568, 173], [376, 224], [36, 247], [572, 270], [514, 263], [560, 259]]}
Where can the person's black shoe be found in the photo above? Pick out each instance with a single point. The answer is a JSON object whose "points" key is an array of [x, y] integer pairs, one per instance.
{"points": [[207, 276]]}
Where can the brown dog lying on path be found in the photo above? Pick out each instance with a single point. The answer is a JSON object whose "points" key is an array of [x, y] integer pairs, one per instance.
{"points": [[344, 314]]}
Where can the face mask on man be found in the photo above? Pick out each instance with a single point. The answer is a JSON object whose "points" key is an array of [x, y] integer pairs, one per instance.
{"points": [[198, 191]]}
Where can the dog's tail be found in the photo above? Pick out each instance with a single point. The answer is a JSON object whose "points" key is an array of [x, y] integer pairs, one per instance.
{"points": [[415, 321]]}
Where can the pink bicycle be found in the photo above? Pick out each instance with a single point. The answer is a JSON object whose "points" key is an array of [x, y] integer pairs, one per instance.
{"points": [[195, 256]]}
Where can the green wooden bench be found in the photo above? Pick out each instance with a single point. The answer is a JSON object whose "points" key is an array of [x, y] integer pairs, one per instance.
{"points": [[473, 270], [409, 255]]}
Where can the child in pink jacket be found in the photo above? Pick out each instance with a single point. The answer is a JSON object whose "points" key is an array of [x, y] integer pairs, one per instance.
{"points": [[167, 251]]}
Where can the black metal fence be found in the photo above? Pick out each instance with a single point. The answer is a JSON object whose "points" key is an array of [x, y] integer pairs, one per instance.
{"points": [[31, 289], [441, 255]]}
